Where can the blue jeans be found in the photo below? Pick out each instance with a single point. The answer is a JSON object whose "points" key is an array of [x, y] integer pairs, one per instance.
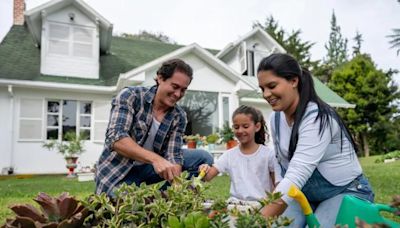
{"points": [[192, 159], [325, 199]]}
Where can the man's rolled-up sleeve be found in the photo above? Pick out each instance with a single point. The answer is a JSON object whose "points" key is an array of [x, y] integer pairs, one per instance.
{"points": [[121, 117]]}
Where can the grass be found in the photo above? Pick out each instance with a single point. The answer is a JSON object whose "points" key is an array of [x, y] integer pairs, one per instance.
{"points": [[22, 189]]}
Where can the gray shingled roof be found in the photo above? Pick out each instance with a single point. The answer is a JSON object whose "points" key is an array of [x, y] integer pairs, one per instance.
{"points": [[20, 59]]}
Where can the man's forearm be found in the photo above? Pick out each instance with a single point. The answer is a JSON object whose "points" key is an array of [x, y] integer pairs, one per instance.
{"points": [[127, 147]]}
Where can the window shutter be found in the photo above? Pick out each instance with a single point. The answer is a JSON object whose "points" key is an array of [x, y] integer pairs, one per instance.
{"points": [[83, 42], [30, 119], [100, 115], [242, 57], [59, 39]]}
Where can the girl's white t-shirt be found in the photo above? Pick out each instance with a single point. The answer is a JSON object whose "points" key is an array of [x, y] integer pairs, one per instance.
{"points": [[250, 174]]}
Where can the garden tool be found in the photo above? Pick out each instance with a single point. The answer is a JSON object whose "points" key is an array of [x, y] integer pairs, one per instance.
{"points": [[353, 207], [298, 195], [197, 180]]}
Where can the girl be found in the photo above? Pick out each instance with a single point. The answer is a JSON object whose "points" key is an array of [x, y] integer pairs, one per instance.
{"points": [[314, 148], [250, 165]]}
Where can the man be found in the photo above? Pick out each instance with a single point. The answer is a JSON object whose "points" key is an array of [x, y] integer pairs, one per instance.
{"points": [[144, 136]]}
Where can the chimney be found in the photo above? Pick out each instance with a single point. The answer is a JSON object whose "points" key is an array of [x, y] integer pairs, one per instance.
{"points": [[19, 8]]}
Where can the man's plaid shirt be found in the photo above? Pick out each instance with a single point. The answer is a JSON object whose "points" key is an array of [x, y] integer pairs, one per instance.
{"points": [[131, 116]]}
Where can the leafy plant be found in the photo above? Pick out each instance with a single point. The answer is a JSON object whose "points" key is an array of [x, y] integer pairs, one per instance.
{"points": [[391, 155], [227, 133], [212, 138], [191, 137], [72, 147], [63, 211]]}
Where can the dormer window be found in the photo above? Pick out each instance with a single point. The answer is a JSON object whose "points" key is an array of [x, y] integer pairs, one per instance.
{"points": [[70, 40]]}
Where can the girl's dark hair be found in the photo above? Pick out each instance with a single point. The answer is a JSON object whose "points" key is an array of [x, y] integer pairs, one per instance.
{"points": [[169, 67], [285, 66], [257, 117]]}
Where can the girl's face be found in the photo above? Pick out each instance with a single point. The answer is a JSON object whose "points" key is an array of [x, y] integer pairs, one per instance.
{"points": [[280, 93], [244, 128]]}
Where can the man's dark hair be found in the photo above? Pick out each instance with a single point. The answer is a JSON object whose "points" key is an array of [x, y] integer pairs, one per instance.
{"points": [[169, 67]]}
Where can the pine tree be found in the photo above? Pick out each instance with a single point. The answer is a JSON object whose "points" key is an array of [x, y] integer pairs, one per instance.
{"points": [[336, 50], [291, 42], [358, 39]]}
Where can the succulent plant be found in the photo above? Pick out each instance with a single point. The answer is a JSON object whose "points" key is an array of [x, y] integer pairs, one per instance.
{"points": [[63, 211]]}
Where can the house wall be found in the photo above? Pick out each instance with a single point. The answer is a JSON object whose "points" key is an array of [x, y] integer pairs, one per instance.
{"points": [[30, 156], [5, 130], [70, 65], [205, 78]]}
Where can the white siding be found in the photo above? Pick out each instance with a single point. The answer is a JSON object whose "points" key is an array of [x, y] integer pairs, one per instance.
{"points": [[5, 130], [30, 156], [70, 48]]}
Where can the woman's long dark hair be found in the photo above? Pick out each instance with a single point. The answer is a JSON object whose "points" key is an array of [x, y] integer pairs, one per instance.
{"points": [[285, 66], [257, 117]]}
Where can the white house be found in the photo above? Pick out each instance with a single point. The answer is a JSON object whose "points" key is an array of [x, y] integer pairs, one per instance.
{"points": [[60, 66]]}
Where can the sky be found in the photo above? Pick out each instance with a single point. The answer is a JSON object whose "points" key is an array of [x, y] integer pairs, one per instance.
{"points": [[215, 23]]}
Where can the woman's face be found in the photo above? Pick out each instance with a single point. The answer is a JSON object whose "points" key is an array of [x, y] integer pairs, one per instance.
{"points": [[280, 93]]}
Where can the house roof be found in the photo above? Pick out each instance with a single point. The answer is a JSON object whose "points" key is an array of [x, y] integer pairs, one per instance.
{"points": [[256, 30], [199, 52], [20, 58], [33, 19], [322, 90]]}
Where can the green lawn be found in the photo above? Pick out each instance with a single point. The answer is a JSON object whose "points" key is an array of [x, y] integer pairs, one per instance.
{"points": [[384, 179]]}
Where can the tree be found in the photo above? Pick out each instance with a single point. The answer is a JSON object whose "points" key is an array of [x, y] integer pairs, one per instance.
{"points": [[291, 42], [372, 91], [336, 51], [395, 39], [357, 48], [150, 36]]}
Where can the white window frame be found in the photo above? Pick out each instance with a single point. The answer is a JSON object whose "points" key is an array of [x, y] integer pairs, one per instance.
{"points": [[96, 120], [78, 118], [221, 108]]}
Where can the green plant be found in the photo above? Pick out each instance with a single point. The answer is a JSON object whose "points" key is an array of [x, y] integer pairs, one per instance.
{"points": [[195, 137], [227, 133], [72, 147], [391, 155], [212, 138], [62, 211]]}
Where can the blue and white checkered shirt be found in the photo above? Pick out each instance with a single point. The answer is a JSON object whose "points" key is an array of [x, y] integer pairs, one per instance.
{"points": [[131, 116]]}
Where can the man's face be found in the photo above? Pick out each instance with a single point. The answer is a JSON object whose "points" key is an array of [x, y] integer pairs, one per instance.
{"points": [[171, 90]]}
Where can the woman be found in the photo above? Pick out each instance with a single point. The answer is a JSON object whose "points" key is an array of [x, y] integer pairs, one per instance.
{"points": [[313, 146]]}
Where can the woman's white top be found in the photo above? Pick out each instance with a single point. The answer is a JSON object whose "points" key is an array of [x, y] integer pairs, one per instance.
{"points": [[249, 173], [335, 160]]}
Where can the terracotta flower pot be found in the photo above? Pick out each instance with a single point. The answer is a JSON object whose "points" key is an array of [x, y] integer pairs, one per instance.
{"points": [[231, 143], [191, 144], [71, 165]]}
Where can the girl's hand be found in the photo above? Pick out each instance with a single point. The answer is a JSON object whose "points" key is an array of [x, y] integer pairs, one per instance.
{"points": [[204, 167]]}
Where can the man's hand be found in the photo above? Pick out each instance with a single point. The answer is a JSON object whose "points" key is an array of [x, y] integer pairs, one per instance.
{"points": [[166, 169]]}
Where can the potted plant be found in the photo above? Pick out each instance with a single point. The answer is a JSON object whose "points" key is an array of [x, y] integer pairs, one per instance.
{"points": [[191, 140], [70, 148], [211, 140], [228, 136]]}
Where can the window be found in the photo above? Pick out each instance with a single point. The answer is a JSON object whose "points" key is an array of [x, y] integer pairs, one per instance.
{"points": [[70, 40], [68, 115], [202, 112]]}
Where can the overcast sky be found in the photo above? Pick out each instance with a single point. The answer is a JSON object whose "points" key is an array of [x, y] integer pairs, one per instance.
{"points": [[215, 23]]}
